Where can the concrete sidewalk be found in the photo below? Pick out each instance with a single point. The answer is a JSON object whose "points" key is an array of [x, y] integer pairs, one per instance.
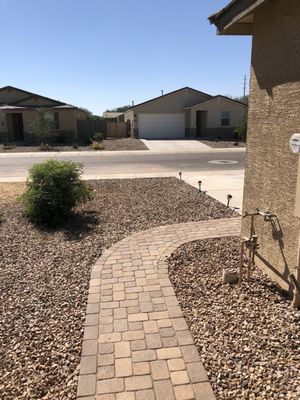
{"points": [[164, 149], [170, 146], [219, 184], [136, 344]]}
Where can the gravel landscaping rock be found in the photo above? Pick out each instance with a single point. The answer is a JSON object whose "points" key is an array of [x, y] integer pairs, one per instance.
{"points": [[124, 144], [44, 276], [248, 339], [109, 145], [222, 144]]}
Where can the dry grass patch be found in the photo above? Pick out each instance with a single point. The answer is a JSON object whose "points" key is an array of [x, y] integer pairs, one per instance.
{"points": [[9, 192]]}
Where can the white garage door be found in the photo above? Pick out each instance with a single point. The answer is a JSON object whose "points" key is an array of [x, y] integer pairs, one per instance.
{"points": [[161, 126]]}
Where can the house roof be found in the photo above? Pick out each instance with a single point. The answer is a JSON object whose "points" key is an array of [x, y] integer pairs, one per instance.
{"points": [[111, 114], [29, 95], [165, 95], [237, 17], [214, 97], [11, 107]]}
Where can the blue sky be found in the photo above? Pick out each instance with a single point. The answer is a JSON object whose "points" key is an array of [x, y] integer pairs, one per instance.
{"points": [[103, 54]]}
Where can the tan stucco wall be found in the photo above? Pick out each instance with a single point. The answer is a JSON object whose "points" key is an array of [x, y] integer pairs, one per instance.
{"points": [[271, 169], [214, 110], [67, 119]]}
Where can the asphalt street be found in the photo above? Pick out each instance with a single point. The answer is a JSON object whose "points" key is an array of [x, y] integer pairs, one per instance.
{"points": [[16, 166]]}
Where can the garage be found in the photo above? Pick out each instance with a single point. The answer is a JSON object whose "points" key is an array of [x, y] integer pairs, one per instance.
{"points": [[161, 125]]}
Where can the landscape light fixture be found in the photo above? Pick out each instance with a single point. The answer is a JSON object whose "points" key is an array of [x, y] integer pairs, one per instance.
{"points": [[229, 197], [199, 184]]}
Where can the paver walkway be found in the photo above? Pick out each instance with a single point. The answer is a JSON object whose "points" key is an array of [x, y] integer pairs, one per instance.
{"points": [[136, 342]]}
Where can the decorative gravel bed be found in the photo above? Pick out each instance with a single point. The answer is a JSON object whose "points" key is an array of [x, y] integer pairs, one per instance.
{"points": [[248, 340], [222, 144], [109, 145], [124, 144], [44, 276]]}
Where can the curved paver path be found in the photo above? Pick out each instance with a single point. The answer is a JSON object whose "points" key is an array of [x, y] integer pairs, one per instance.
{"points": [[136, 342]]}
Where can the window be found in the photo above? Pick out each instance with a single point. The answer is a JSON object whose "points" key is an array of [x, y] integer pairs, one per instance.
{"points": [[52, 117], [225, 118]]}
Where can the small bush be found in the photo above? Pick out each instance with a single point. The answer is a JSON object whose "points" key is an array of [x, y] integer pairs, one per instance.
{"points": [[97, 146], [54, 188], [44, 147], [42, 129], [98, 137], [241, 130], [9, 146]]}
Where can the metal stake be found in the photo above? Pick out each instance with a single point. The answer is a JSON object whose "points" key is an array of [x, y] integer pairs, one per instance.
{"points": [[229, 197], [199, 184]]}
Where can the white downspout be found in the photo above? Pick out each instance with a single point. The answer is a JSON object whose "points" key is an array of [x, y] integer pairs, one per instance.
{"points": [[296, 298]]}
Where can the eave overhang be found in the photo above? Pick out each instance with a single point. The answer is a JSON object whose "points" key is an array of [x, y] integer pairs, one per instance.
{"points": [[237, 17]]}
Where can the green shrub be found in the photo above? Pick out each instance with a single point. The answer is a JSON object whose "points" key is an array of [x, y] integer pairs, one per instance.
{"points": [[42, 129], [53, 189], [241, 130], [98, 137]]}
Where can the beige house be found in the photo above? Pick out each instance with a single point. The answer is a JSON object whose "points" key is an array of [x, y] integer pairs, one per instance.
{"points": [[19, 109], [184, 113], [272, 182]]}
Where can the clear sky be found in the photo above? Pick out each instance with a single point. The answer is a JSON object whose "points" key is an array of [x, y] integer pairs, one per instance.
{"points": [[103, 54]]}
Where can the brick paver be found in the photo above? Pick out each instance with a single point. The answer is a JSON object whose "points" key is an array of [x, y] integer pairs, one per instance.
{"points": [[136, 342]]}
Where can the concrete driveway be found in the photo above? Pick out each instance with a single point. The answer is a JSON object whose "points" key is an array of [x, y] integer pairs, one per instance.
{"points": [[179, 145]]}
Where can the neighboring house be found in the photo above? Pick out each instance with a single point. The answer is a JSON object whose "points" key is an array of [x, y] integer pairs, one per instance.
{"points": [[272, 180], [19, 108], [111, 114], [184, 113]]}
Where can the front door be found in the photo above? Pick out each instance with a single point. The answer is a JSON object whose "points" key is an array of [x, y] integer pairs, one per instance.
{"points": [[201, 122], [16, 124]]}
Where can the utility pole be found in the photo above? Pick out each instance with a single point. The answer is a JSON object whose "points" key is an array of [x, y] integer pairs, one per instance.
{"points": [[245, 82]]}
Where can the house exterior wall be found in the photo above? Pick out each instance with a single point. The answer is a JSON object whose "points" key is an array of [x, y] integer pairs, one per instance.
{"points": [[36, 101], [67, 119], [271, 169], [3, 122], [214, 108]]}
